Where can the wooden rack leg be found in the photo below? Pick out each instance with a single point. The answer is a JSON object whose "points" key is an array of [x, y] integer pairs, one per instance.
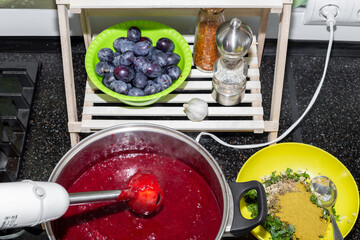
{"points": [[264, 18], [254, 65], [86, 30], [280, 61], [68, 69], [85, 27]]}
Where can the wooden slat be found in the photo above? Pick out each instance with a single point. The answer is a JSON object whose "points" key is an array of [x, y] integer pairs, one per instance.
{"points": [[206, 85], [191, 38], [171, 98], [165, 12], [255, 91], [63, 2], [250, 60], [271, 126], [103, 4], [199, 85], [255, 65], [187, 125], [170, 111], [195, 73]]}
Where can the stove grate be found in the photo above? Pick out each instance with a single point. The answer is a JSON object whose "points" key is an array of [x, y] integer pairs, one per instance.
{"points": [[17, 83]]}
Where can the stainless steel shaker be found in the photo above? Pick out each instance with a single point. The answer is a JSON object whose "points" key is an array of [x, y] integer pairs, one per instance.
{"points": [[233, 40]]}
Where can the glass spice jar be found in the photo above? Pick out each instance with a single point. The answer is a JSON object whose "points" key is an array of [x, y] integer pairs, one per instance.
{"points": [[205, 50]]}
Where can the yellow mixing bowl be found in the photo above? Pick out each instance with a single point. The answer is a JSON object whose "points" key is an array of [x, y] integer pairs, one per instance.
{"points": [[315, 162]]}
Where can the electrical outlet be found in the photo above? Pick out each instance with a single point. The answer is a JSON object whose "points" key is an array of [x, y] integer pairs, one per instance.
{"points": [[355, 15], [348, 12]]}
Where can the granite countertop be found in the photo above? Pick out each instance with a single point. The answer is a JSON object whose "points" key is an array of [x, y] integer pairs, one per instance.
{"points": [[332, 124]]}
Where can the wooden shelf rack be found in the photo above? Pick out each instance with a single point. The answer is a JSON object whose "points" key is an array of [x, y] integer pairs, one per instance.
{"points": [[101, 111]]}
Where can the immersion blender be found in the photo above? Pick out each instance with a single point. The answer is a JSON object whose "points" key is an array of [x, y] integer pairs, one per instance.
{"points": [[28, 203]]}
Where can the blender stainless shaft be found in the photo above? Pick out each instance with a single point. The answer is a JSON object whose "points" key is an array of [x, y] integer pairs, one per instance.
{"points": [[85, 197]]}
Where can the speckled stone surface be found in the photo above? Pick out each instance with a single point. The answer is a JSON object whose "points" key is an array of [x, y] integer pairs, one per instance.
{"points": [[332, 124]]}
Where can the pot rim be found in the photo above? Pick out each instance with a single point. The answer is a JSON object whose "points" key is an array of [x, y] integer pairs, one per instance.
{"points": [[226, 194]]}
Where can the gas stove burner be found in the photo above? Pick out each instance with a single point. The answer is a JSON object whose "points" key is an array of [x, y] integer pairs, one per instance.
{"points": [[17, 82]]}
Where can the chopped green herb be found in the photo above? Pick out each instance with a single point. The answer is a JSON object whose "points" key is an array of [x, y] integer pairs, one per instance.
{"points": [[314, 199], [336, 216], [326, 214], [289, 174], [253, 208], [251, 201], [305, 175], [273, 179], [250, 196], [278, 229]]}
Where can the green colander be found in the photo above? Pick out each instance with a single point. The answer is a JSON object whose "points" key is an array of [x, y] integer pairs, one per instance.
{"points": [[152, 30]]}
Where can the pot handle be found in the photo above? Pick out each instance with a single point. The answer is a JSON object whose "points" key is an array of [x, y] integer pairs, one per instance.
{"points": [[240, 225]]}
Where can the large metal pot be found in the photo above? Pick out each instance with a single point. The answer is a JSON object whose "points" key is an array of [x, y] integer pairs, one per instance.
{"points": [[162, 140]]}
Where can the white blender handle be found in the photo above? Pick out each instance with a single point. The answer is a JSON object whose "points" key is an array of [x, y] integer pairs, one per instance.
{"points": [[28, 203]]}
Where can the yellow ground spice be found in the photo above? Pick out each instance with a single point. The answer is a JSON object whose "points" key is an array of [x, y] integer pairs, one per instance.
{"points": [[296, 208]]}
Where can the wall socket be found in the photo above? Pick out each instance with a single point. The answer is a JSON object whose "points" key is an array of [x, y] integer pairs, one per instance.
{"points": [[348, 13]]}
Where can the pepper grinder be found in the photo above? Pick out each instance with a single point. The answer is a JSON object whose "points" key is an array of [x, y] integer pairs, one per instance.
{"points": [[233, 40]]}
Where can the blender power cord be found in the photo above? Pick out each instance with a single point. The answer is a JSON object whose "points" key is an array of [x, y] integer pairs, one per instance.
{"points": [[13, 235], [329, 12]]}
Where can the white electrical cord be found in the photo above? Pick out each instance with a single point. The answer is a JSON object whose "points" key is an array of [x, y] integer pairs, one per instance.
{"points": [[12, 236], [329, 13]]}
